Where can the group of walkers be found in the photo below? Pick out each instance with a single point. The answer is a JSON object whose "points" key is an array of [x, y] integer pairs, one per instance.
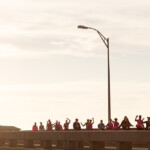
{"points": [[49, 126], [111, 125]]}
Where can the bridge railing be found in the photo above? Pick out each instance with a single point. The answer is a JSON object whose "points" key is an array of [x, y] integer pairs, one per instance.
{"points": [[76, 140]]}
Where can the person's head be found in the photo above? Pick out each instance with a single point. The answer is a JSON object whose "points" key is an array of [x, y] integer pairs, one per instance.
{"points": [[116, 119], [148, 118], [90, 121], [56, 122], [49, 121], [76, 120], [87, 120], [125, 118], [110, 120], [140, 117], [35, 123], [101, 121], [40, 123]]}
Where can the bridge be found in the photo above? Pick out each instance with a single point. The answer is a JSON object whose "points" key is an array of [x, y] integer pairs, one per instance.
{"points": [[76, 140]]}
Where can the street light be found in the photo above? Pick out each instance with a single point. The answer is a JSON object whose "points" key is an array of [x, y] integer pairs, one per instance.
{"points": [[106, 42]]}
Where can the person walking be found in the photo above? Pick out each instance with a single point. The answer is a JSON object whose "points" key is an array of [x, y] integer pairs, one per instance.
{"points": [[109, 125], [66, 124], [115, 124], [125, 124], [139, 121], [147, 123], [41, 127], [35, 127], [101, 125], [76, 125]]}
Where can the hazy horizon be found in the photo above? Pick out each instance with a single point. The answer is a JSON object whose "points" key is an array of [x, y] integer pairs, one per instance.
{"points": [[52, 70]]}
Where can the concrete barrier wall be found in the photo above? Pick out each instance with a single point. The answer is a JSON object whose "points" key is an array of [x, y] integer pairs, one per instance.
{"points": [[74, 140]]}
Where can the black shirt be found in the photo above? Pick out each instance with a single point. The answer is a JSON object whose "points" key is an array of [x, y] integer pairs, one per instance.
{"points": [[76, 126]]}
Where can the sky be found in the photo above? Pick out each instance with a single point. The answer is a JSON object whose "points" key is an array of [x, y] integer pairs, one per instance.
{"points": [[50, 69]]}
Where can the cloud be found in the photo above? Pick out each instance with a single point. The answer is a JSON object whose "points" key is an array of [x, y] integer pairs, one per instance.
{"points": [[42, 28]]}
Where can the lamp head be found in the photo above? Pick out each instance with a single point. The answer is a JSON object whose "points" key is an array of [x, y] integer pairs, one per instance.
{"points": [[82, 27]]}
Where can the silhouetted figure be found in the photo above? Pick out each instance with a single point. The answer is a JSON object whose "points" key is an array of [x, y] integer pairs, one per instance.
{"points": [[115, 124], [76, 125], [91, 122], [66, 124], [109, 125], [125, 124], [139, 121], [147, 123], [58, 126], [41, 127], [35, 127], [49, 125], [87, 124], [101, 125]]}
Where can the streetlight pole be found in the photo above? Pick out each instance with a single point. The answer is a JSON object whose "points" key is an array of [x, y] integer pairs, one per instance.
{"points": [[106, 42]]}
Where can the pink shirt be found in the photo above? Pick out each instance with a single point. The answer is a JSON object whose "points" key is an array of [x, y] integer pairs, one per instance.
{"points": [[34, 128], [58, 127], [116, 125], [109, 126], [90, 126], [66, 126], [140, 123]]}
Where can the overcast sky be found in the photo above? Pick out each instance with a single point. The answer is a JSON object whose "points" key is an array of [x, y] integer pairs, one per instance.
{"points": [[49, 69]]}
